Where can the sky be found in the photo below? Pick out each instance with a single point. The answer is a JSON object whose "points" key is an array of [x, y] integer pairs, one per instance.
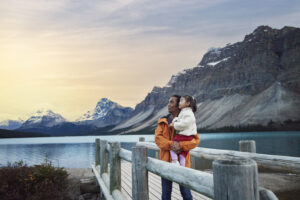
{"points": [[65, 55]]}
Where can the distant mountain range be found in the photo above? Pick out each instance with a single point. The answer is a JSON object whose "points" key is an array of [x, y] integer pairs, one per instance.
{"points": [[106, 113], [252, 82]]}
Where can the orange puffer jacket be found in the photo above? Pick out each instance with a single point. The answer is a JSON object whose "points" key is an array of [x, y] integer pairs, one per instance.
{"points": [[163, 138]]}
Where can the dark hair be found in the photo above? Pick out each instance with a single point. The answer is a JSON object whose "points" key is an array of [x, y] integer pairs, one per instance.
{"points": [[177, 98], [192, 101]]}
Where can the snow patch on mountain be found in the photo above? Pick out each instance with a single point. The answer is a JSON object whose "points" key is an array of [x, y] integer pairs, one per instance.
{"points": [[217, 62]]}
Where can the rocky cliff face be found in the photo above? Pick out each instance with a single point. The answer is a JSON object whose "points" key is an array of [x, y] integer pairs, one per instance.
{"points": [[260, 72]]}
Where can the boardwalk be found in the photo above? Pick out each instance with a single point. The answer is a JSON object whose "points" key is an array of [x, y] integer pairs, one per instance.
{"points": [[154, 186], [117, 182]]}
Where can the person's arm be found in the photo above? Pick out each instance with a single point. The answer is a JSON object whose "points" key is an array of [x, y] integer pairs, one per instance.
{"points": [[160, 140], [183, 122]]}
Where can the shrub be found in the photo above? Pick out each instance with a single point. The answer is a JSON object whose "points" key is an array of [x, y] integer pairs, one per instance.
{"points": [[39, 182]]}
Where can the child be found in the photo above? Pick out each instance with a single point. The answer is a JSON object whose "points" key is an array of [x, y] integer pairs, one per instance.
{"points": [[185, 126]]}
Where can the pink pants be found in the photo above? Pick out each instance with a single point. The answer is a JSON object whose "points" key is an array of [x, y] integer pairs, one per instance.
{"points": [[174, 156]]}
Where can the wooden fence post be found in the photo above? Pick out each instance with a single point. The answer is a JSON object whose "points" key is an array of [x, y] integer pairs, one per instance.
{"points": [[103, 157], [157, 154], [247, 146], [140, 189], [115, 167], [193, 162], [235, 179], [97, 156]]}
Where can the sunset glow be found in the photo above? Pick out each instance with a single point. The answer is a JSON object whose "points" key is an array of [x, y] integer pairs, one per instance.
{"points": [[65, 55]]}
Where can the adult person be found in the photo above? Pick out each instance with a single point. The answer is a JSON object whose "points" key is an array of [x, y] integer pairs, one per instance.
{"points": [[164, 139]]}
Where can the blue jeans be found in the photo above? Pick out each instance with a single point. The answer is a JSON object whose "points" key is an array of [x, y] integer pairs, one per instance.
{"points": [[167, 190]]}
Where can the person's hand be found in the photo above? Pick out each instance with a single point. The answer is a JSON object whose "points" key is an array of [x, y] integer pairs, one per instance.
{"points": [[176, 147]]}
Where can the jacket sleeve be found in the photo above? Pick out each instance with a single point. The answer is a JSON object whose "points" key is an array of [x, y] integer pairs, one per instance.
{"points": [[160, 140], [182, 123], [188, 145]]}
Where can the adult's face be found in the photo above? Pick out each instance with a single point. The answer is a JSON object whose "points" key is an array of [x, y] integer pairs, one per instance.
{"points": [[172, 105]]}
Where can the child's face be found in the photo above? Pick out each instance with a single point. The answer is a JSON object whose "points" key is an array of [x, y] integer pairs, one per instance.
{"points": [[183, 103]]}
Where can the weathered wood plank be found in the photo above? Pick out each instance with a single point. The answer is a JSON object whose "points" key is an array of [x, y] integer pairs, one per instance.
{"points": [[97, 153], [115, 168], [118, 195], [125, 155], [199, 181], [126, 170], [274, 162], [140, 189], [103, 157], [102, 185], [247, 146], [235, 179], [282, 163], [154, 185], [126, 167], [105, 179], [265, 194]]}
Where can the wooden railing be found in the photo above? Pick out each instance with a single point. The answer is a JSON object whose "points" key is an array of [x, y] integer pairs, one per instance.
{"points": [[286, 164], [234, 173]]}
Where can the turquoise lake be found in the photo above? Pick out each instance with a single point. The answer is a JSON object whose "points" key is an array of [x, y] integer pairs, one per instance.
{"points": [[79, 151]]}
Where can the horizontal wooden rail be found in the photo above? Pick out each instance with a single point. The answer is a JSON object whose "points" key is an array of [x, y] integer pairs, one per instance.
{"points": [[102, 185], [125, 155], [274, 162], [265, 194], [201, 182]]}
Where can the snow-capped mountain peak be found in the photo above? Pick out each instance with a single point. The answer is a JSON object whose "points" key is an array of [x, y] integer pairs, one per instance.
{"points": [[45, 118], [103, 106], [105, 113]]}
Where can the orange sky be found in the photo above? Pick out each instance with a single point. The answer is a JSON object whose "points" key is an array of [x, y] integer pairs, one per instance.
{"points": [[66, 55]]}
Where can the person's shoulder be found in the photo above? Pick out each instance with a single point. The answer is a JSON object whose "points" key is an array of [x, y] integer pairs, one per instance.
{"points": [[164, 119]]}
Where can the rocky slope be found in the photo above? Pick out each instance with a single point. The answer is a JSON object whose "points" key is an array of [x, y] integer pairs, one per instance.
{"points": [[249, 82]]}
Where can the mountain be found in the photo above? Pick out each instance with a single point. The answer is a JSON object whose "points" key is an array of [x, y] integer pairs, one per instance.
{"points": [[255, 81], [11, 124], [43, 118], [104, 116], [106, 113]]}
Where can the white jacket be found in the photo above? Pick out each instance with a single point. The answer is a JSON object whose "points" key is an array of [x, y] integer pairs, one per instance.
{"points": [[185, 123]]}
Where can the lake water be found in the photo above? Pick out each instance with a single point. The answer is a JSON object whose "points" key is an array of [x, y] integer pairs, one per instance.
{"points": [[79, 151]]}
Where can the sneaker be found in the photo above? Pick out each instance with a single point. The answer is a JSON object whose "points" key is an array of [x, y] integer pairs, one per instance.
{"points": [[175, 162]]}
